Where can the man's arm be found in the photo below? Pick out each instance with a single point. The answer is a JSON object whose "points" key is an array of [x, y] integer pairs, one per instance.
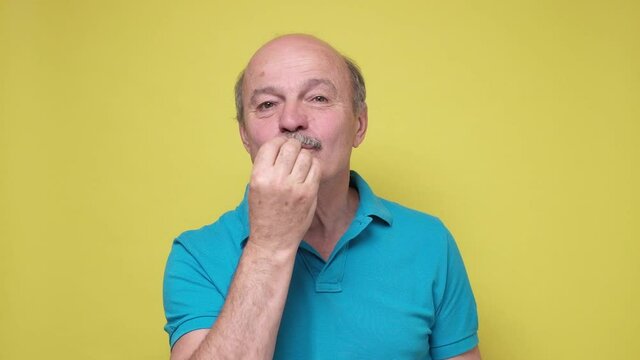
{"points": [[248, 323], [282, 199]]}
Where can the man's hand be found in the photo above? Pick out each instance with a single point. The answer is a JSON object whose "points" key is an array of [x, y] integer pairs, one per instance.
{"points": [[283, 194]]}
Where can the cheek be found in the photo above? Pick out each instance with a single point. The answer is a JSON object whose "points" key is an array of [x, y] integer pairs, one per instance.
{"points": [[257, 136], [338, 148], [263, 133], [341, 137]]}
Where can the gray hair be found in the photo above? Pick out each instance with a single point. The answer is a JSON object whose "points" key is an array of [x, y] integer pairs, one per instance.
{"points": [[358, 88]]}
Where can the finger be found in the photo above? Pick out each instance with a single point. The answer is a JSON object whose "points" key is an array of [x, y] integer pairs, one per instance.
{"points": [[313, 176], [302, 166], [268, 152], [287, 156]]}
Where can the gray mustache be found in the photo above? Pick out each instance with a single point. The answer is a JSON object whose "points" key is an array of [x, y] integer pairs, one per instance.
{"points": [[306, 141]]}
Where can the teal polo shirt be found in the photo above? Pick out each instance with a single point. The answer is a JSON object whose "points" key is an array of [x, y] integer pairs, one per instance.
{"points": [[395, 286]]}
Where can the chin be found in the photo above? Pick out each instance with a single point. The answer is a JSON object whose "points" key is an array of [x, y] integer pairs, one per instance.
{"points": [[328, 175]]}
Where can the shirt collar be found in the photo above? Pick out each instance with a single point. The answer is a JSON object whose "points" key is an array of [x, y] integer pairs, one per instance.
{"points": [[370, 205]]}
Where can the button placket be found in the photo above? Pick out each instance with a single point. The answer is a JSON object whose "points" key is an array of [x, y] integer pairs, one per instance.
{"points": [[330, 277]]}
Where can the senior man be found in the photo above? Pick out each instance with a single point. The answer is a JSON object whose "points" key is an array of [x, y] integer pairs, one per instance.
{"points": [[312, 264]]}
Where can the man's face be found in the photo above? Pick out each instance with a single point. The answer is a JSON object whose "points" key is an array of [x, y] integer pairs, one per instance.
{"points": [[300, 85]]}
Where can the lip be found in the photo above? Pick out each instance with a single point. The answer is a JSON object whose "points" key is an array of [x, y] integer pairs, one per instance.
{"points": [[310, 147]]}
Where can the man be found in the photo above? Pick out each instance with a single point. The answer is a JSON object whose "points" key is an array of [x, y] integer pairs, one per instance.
{"points": [[370, 280]]}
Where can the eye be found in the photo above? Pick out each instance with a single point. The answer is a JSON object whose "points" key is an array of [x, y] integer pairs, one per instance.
{"points": [[320, 99], [266, 105]]}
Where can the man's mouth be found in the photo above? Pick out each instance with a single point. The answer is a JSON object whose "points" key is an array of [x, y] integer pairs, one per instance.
{"points": [[307, 142]]}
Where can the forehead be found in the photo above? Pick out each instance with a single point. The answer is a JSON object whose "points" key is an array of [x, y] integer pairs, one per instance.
{"points": [[289, 64]]}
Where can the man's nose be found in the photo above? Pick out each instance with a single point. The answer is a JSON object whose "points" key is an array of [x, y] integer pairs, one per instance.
{"points": [[293, 118]]}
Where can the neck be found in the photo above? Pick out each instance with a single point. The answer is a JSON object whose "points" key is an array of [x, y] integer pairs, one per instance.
{"points": [[336, 207]]}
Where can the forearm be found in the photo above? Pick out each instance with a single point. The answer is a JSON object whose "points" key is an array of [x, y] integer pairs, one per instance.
{"points": [[282, 199], [250, 318]]}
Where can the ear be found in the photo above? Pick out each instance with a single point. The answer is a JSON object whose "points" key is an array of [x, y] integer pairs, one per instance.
{"points": [[362, 121], [243, 136]]}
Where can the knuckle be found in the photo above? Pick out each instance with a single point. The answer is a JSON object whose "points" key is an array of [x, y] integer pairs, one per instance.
{"points": [[302, 192], [292, 145], [287, 148], [305, 156], [265, 147], [258, 180]]}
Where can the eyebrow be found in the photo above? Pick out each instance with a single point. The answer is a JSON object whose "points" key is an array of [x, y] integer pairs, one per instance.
{"points": [[311, 83], [271, 90], [308, 85]]}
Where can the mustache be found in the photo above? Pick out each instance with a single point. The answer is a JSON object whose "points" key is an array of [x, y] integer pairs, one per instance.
{"points": [[307, 141]]}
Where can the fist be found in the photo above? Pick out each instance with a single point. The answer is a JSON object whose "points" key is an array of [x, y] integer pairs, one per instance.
{"points": [[283, 194]]}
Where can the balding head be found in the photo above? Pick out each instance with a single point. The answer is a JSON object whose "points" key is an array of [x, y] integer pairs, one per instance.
{"points": [[292, 45]]}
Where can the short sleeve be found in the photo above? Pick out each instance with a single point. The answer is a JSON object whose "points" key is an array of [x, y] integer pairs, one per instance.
{"points": [[456, 319], [191, 300]]}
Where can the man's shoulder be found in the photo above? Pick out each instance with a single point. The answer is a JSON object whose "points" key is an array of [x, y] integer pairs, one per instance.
{"points": [[205, 259], [393, 213], [417, 229], [409, 217]]}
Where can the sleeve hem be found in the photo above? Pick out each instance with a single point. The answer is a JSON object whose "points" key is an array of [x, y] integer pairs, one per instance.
{"points": [[201, 322], [454, 349]]}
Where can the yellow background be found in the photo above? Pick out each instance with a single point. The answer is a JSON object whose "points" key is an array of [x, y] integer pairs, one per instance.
{"points": [[516, 122]]}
